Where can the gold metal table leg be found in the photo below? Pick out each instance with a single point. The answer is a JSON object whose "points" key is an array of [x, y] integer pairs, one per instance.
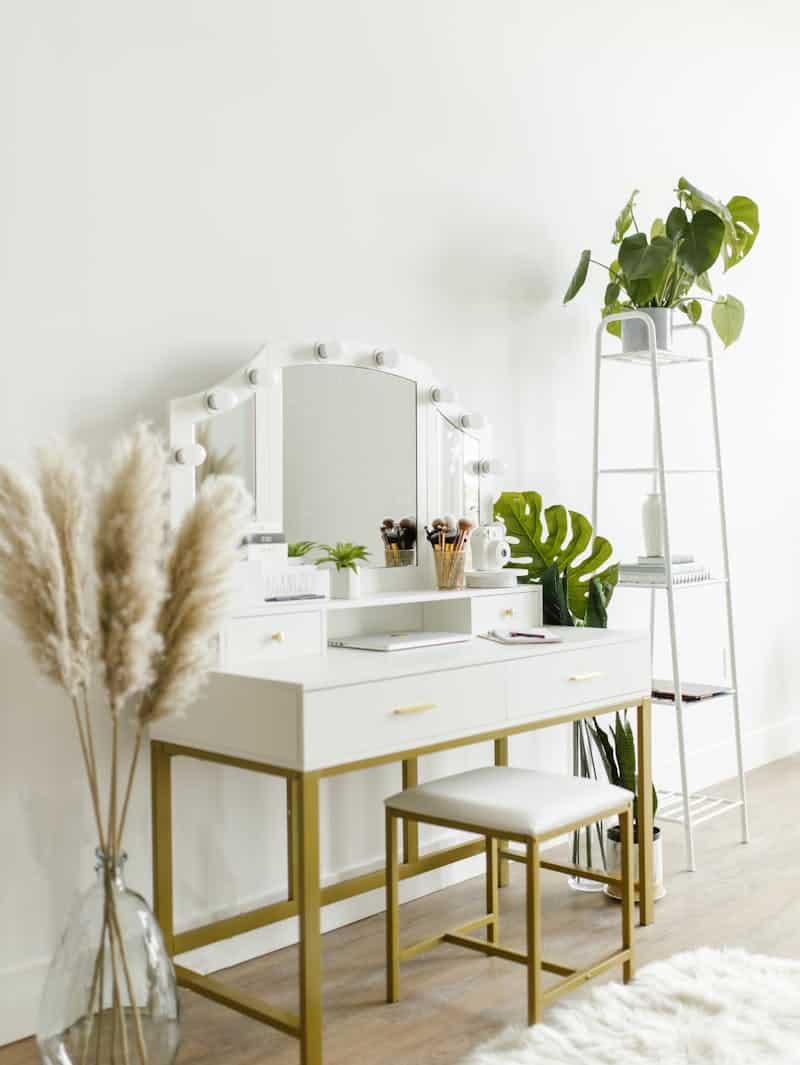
{"points": [[161, 811], [310, 934], [645, 814], [410, 828], [501, 758], [533, 923]]}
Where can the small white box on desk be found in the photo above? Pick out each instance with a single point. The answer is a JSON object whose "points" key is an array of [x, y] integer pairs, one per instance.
{"points": [[256, 582]]}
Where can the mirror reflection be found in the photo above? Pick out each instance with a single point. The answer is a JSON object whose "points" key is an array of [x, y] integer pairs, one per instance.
{"points": [[349, 457], [229, 440], [456, 455]]}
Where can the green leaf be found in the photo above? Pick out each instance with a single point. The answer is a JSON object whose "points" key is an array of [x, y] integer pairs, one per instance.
{"points": [[614, 271], [555, 608], [612, 294], [699, 248], [727, 314], [578, 278], [692, 309], [564, 537], [606, 750], [596, 612], [643, 261], [704, 283], [624, 218], [658, 229], [626, 753], [677, 223], [744, 213]]}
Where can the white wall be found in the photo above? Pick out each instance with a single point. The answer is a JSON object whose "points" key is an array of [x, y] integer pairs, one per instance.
{"points": [[180, 181]]}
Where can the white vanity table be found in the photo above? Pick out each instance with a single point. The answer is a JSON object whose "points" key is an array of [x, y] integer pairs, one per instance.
{"points": [[282, 703]]}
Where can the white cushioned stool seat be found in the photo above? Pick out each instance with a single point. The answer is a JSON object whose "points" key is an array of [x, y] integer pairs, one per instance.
{"points": [[523, 801]]}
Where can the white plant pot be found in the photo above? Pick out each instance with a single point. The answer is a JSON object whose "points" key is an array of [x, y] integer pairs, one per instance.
{"points": [[652, 525], [634, 330], [345, 584], [614, 859]]}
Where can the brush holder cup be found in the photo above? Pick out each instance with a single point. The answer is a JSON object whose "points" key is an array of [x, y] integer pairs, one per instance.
{"points": [[449, 569], [397, 557]]}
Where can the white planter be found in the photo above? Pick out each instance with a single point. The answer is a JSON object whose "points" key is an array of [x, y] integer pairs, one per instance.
{"points": [[634, 330], [652, 525], [614, 859], [345, 584]]}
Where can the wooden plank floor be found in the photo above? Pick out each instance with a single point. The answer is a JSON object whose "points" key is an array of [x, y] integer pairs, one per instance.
{"points": [[453, 999]]}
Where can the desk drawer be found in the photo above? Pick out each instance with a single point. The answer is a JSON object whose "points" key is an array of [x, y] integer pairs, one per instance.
{"points": [[546, 683], [365, 720], [273, 637], [506, 611]]}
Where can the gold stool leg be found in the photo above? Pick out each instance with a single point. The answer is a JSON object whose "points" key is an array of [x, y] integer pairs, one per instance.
{"points": [[533, 901], [392, 915], [501, 758], [492, 893], [626, 834]]}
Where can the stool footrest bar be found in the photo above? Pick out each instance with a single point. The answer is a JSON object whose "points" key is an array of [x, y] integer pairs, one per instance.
{"points": [[580, 976], [249, 1005], [413, 949]]}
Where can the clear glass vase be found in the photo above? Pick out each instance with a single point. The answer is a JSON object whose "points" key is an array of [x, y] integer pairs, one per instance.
{"points": [[110, 993]]}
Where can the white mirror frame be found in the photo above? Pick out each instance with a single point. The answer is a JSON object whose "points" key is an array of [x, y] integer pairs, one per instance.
{"points": [[262, 377]]}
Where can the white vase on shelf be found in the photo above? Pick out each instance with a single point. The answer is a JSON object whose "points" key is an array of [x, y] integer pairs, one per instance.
{"points": [[346, 583], [634, 330], [652, 525]]}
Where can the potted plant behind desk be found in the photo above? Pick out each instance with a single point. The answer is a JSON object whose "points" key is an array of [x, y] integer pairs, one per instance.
{"points": [[345, 558], [617, 749], [557, 549], [670, 270]]}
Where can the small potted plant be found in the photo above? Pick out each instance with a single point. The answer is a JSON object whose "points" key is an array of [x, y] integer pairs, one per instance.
{"points": [[665, 272], [345, 558], [299, 551], [617, 749]]}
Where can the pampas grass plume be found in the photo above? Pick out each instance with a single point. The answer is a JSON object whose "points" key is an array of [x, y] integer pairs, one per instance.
{"points": [[129, 544], [63, 487], [198, 577], [32, 577]]}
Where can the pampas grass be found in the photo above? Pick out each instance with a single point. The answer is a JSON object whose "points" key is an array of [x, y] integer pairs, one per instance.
{"points": [[158, 607], [129, 551], [32, 577]]}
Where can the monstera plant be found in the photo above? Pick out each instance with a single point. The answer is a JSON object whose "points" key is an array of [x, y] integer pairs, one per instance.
{"points": [[667, 269], [557, 549]]}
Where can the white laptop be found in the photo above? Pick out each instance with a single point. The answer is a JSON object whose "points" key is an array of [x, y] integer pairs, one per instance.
{"points": [[399, 641]]}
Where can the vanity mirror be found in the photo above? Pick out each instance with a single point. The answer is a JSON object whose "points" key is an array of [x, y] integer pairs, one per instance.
{"points": [[330, 441]]}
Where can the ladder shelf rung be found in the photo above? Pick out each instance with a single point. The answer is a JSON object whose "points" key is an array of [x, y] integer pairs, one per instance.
{"points": [[655, 469], [701, 807], [662, 585], [644, 358]]}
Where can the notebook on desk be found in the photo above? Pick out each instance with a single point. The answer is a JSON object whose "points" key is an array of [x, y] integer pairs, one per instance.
{"points": [[399, 641]]}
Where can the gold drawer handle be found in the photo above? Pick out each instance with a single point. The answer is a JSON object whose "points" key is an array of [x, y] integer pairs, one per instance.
{"points": [[586, 676], [278, 637], [420, 708], [508, 612]]}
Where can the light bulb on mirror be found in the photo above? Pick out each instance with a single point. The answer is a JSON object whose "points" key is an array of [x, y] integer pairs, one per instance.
{"points": [[221, 399], [442, 395], [472, 420], [190, 455], [253, 376], [329, 349], [387, 357], [489, 467]]}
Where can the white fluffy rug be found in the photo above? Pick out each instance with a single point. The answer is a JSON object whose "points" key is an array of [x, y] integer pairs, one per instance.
{"points": [[707, 1007]]}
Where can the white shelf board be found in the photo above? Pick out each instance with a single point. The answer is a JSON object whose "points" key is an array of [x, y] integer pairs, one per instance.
{"points": [[420, 595], [654, 469], [701, 807], [663, 358], [662, 585]]}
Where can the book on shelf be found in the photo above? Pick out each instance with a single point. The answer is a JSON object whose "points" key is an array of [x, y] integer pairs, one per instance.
{"points": [[690, 693], [654, 571]]}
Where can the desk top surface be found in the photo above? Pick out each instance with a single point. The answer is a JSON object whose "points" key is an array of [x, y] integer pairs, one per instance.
{"points": [[345, 666]]}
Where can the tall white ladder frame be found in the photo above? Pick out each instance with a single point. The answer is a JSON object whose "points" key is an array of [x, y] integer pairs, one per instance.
{"points": [[682, 807]]}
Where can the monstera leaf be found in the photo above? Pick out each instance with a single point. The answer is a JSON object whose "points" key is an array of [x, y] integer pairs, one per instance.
{"points": [[563, 537]]}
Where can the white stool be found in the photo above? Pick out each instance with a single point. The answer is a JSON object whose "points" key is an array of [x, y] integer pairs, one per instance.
{"points": [[527, 807]]}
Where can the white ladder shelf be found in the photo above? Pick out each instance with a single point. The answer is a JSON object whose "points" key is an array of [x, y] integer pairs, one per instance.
{"points": [[682, 807]]}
